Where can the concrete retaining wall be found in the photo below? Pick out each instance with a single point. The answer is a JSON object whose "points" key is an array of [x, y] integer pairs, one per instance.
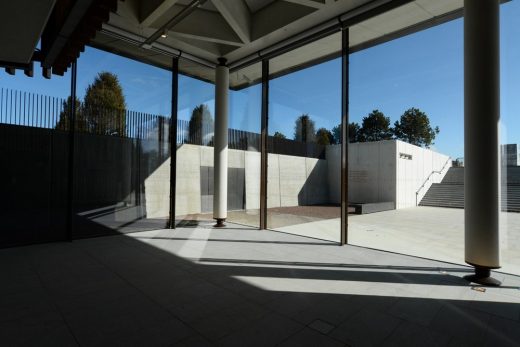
{"points": [[292, 181], [383, 171], [413, 166]]}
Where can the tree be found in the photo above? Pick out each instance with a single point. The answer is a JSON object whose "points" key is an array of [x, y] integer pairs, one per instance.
{"points": [[201, 125], [353, 132], [375, 127], [336, 133], [104, 106], [414, 127], [279, 135], [304, 129], [64, 117], [325, 137]]}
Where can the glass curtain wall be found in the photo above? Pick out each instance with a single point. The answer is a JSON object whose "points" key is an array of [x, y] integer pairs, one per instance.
{"points": [[510, 138], [304, 161], [196, 119], [407, 133], [245, 97], [121, 166], [34, 149]]}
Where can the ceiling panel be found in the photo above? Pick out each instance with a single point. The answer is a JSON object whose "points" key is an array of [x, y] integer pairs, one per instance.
{"points": [[21, 26], [272, 22]]}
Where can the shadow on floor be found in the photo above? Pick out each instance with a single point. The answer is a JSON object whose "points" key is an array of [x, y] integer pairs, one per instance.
{"points": [[122, 291]]}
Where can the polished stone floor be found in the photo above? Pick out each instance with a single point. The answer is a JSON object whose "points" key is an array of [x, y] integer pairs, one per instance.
{"points": [[199, 286]]}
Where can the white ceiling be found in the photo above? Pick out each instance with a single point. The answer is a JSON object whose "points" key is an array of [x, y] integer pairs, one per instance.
{"points": [[235, 29]]}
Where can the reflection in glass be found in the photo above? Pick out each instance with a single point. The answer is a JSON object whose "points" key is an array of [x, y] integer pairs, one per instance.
{"points": [[121, 167], [510, 138], [406, 111], [244, 146], [303, 190], [196, 118], [34, 149]]}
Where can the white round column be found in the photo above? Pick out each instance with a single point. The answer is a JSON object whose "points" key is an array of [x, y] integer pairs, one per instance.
{"points": [[481, 138], [221, 143]]}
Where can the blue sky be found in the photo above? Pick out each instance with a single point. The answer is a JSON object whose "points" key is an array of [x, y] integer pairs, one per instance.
{"points": [[423, 70]]}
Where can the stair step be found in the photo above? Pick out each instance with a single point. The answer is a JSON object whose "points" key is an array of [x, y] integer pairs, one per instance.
{"points": [[450, 192]]}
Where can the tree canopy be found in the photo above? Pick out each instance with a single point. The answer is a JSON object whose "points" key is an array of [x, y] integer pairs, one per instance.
{"points": [[104, 105], [279, 135], [201, 125], [414, 127], [64, 118], [336, 132], [375, 127], [353, 132], [324, 137], [304, 129]]}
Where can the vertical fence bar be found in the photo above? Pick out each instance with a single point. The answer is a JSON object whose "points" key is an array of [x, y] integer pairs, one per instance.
{"points": [[19, 114], [49, 113], [173, 140], [72, 134], [11, 109], [41, 120], [22, 121], [344, 133], [16, 107], [8, 107], [263, 144], [45, 112], [138, 187], [31, 112]]}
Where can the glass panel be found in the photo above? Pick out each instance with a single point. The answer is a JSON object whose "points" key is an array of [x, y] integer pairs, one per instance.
{"points": [[34, 152], [196, 117], [510, 137], [406, 175], [245, 109], [121, 165], [304, 152]]}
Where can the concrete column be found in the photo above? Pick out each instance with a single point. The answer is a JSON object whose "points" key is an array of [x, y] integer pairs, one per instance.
{"points": [[221, 143], [481, 146]]}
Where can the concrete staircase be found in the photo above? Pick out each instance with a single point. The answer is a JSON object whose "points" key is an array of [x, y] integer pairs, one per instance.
{"points": [[450, 192]]}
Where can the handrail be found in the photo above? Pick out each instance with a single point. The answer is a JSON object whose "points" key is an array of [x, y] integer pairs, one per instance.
{"points": [[428, 178]]}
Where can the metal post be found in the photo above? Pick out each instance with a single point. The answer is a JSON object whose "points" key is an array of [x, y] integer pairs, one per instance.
{"points": [[221, 143], [263, 144], [173, 140], [344, 133], [481, 145], [72, 136]]}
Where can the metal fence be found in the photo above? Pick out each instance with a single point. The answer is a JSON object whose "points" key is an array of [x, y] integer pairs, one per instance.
{"points": [[245, 140], [29, 109], [41, 111]]}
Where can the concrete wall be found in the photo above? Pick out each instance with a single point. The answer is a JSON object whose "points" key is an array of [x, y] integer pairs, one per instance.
{"points": [[372, 173], [333, 155], [292, 180], [379, 172], [157, 191], [413, 166], [190, 159]]}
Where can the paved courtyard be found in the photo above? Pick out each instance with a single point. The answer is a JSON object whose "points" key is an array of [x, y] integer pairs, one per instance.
{"points": [[429, 232], [199, 286]]}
